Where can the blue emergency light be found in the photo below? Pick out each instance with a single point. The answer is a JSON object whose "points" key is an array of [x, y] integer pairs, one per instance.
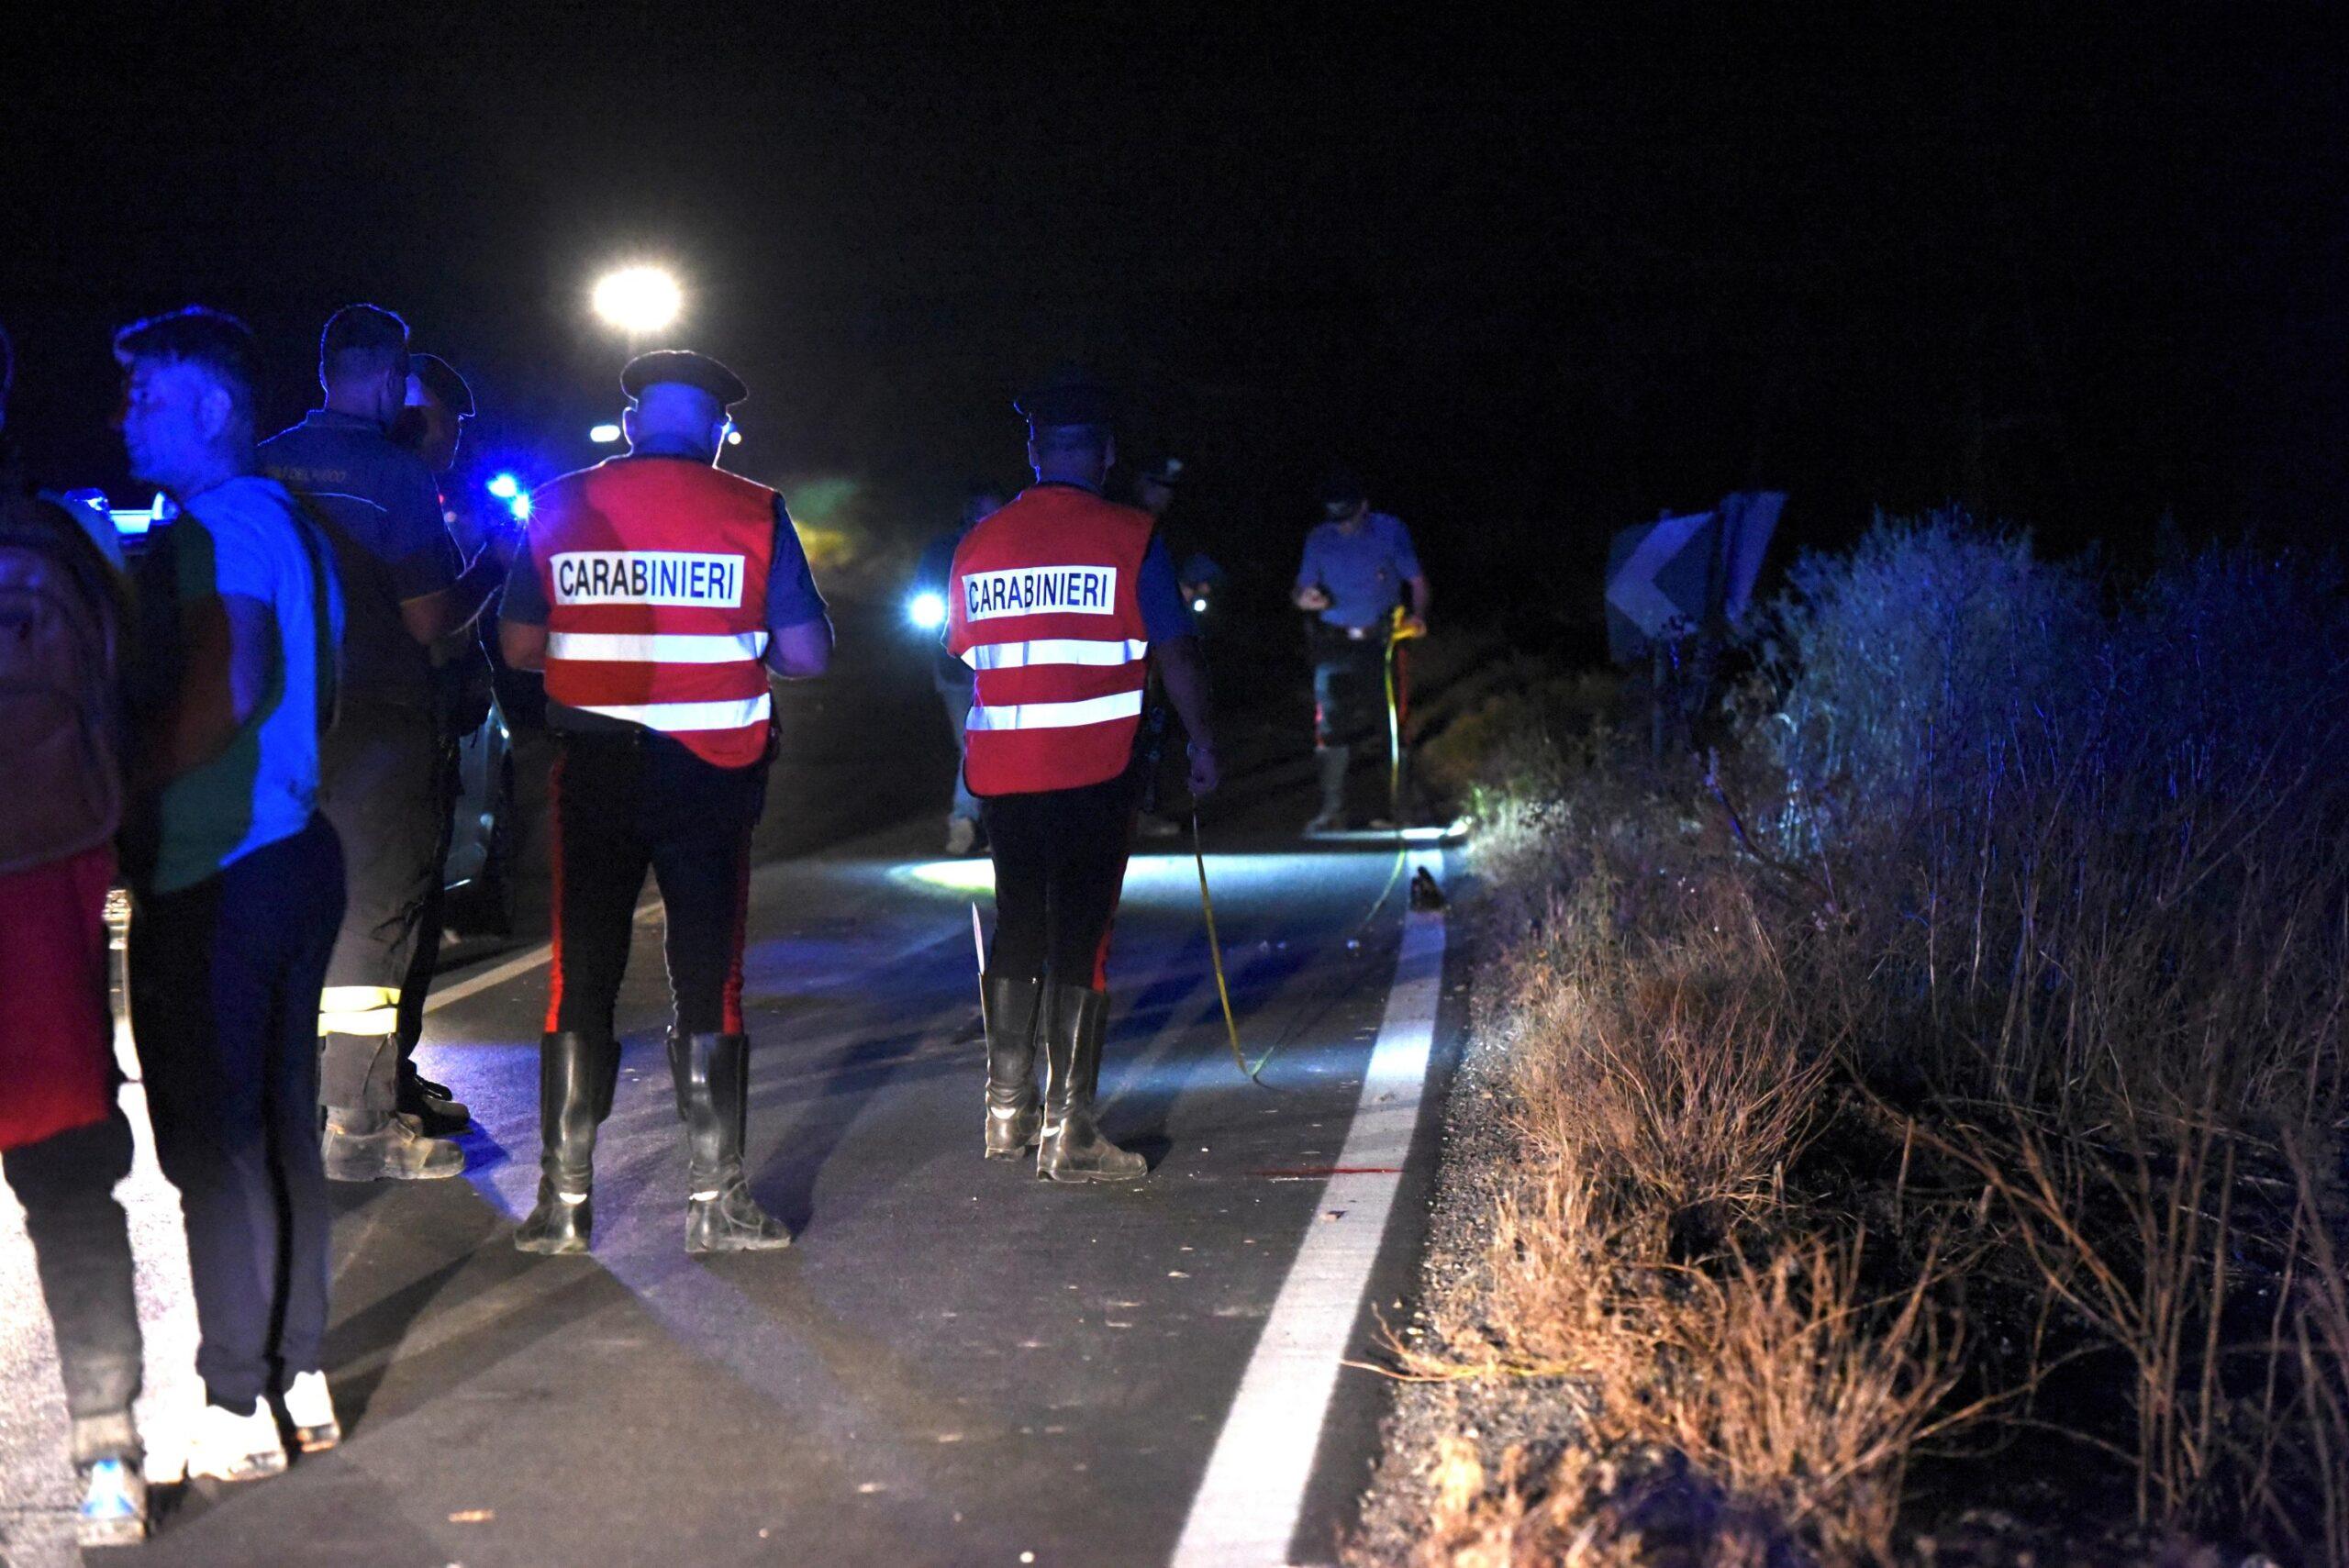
{"points": [[927, 611], [520, 507], [505, 486]]}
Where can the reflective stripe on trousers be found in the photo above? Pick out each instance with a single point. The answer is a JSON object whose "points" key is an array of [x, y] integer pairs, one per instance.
{"points": [[359, 1009]]}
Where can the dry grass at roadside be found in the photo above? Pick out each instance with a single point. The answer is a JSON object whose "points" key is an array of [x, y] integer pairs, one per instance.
{"points": [[1946, 1076]]}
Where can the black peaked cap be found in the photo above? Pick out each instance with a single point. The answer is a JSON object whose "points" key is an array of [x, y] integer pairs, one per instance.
{"points": [[1066, 397], [685, 368], [440, 379]]}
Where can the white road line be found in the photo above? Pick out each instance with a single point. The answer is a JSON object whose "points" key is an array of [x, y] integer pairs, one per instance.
{"points": [[1247, 1506], [488, 979], [473, 985]]}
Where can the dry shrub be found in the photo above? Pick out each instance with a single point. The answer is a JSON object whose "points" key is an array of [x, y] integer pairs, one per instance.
{"points": [[1676, 1068], [2057, 878], [1788, 1381]]}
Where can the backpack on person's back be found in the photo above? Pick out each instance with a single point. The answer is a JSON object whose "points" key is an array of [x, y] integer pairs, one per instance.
{"points": [[60, 735]]}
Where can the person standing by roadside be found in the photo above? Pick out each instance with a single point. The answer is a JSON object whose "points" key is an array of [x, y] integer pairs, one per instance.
{"points": [[398, 568], [949, 674], [1155, 492], [64, 1140], [431, 425], [658, 592], [1063, 602], [236, 880], [1357, 567]]}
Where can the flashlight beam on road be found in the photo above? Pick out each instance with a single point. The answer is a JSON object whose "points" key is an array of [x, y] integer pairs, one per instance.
{"points": [[638, 299]]}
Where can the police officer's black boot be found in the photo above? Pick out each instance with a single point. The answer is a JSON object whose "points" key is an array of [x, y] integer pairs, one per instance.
{"points": [[1071, 1148], [577, 1074], [712, 1073], [1014, 1114], [1333, 761]]}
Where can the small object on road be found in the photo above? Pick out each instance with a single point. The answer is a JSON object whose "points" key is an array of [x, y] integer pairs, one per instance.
{"points": [[472, 1515], [1425, 895]]}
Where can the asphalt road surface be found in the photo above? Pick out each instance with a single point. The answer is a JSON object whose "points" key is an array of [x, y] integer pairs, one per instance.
{"points": [[954, 1363]]}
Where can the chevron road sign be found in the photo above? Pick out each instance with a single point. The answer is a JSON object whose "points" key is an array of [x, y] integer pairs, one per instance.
{"points": [[1665, 579]]}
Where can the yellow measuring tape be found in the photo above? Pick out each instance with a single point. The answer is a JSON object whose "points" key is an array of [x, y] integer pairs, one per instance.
{"points": [[1215, 954], [1396, 633]]}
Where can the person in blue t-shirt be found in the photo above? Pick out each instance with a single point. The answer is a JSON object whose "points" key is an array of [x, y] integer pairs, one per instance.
{"points": [[1358, 569], [236, 881]]}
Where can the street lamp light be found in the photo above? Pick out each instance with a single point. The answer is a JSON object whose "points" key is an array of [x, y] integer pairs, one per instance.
{"points": [[638, 299]]}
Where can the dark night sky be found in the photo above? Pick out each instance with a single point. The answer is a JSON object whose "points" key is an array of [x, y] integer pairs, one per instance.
{"points": [[1538, 282]]}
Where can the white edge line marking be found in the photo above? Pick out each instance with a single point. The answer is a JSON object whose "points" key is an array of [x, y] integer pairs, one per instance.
{"points": [[1246, 1508], [520, 964]]}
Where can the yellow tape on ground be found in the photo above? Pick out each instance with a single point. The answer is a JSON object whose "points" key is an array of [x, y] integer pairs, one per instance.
{"points": [[1215, 955]]}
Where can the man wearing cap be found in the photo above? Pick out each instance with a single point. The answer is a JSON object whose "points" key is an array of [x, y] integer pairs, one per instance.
{"points": [[1062, 603], [431, 425], [406, 594], [1154, 492], [657, 592], [1358, 565], [949, 674]]}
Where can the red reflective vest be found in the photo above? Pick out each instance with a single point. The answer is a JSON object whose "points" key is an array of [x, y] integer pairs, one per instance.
{"points": [[655, 575], [1043, 604]]}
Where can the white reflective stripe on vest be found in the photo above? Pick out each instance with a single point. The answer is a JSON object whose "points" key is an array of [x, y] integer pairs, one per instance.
{"points": [[673, 716], [1056, 714], [656, 648], [1054, 651]]}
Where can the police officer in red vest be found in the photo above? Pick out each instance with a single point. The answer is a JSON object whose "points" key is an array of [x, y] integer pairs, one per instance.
{"points": [[1060, 603], [657, 592]]}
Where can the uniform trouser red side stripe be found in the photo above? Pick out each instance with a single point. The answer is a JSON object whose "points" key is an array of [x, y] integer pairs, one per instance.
{"points": [[555, 899], [634, 801]]}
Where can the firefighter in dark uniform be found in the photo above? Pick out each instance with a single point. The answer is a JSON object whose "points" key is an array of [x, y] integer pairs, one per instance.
{"points": [[406, 590], [1061, 604], [657, 592]]}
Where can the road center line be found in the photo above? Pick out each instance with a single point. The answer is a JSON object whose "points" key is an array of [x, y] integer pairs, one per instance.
{"points": [[1247, 1506]]}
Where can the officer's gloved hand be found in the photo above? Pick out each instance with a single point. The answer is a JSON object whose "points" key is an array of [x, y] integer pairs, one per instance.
{"points": [[1205, 775]]}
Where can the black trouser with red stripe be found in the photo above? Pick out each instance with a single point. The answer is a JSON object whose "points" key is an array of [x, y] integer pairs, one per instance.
{"points": [[625, 801], [1060, 868]]}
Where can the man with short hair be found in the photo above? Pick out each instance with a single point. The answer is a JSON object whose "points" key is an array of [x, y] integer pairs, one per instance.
{"points": [[236, 881], [658, 593], [948, 674], [1357, 567], [380, 507], [1063, 602], [65, 1142]]}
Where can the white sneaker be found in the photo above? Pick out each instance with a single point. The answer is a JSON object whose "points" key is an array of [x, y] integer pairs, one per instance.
{"points": [[229, 1447], [309, 1410]]}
